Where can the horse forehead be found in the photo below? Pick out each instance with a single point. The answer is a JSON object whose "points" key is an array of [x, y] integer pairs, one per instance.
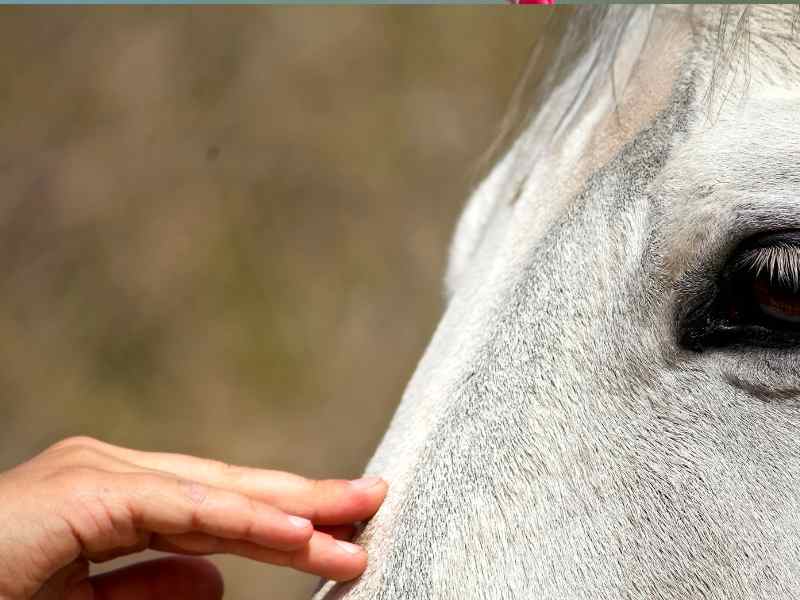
{"points": [[732, 158], [733, 168], [751, 137]]}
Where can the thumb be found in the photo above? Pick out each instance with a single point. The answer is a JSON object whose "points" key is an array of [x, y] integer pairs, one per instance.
{"points": [[173, 578], [65, 583]]}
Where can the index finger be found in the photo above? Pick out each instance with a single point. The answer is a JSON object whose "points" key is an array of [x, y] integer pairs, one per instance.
{"points": [[325, 502], [102, 510]]}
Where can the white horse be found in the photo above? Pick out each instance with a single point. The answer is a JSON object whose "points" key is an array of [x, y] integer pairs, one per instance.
{"points": [[610, 407]]}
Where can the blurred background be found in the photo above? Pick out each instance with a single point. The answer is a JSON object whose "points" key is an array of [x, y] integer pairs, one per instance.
{"points": [[223, 231]]}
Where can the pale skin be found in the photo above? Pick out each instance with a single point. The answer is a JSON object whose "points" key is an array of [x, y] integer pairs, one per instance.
{"points": [[83, 501]]}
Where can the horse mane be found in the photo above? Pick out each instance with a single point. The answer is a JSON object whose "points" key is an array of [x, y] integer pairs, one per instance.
{"points": [[594, 35]]}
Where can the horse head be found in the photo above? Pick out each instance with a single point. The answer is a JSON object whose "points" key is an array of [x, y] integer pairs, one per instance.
{"points": [[609, 406]]}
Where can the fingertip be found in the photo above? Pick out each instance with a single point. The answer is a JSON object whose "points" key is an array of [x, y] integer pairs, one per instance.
{"points": [[374, 488], [301, 531], [341, 501], [369, 494], [342, 560], [348, 548], [331, 558], [339, 532], [367, 483], [281, 531], [355, 562], [302, 526]]}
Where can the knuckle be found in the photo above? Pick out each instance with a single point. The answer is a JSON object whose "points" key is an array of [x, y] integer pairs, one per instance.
{"points": [[145, 486], [318, 487], [229, 473], [194, 495], [195, 492], [75, 486], [249, 524], [75, 451], [101, 522], [77, 441], [80, 455], [77, 479]]}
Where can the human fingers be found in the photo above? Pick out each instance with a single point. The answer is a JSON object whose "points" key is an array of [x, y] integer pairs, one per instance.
{"points": [[109, 511], [323, 555], [325, 502], [63, 581], [339, 532], [91, 460], [74, 501]]}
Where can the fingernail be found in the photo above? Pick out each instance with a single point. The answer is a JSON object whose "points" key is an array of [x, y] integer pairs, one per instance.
{"points": [[348, 547], [365, 482], [299, 522]]}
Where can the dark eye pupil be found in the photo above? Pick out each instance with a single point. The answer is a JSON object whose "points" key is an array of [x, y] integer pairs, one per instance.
{"points": [[777, 300]]}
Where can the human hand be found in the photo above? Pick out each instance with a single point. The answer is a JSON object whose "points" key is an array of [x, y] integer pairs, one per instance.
{"points": [[84, 500]]}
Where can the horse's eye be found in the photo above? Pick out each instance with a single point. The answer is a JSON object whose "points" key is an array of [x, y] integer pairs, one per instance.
{"points": [[777, 301], [755, 301]]}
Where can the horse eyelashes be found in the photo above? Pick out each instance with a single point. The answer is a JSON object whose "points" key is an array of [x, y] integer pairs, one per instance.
{"points": [[779, 264]]}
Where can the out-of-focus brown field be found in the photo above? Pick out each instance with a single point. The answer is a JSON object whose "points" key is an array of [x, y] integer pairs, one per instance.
{"points": [[222, 231]]}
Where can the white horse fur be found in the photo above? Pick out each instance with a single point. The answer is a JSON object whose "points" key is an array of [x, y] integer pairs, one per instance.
{"points": [[558, 440]]}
